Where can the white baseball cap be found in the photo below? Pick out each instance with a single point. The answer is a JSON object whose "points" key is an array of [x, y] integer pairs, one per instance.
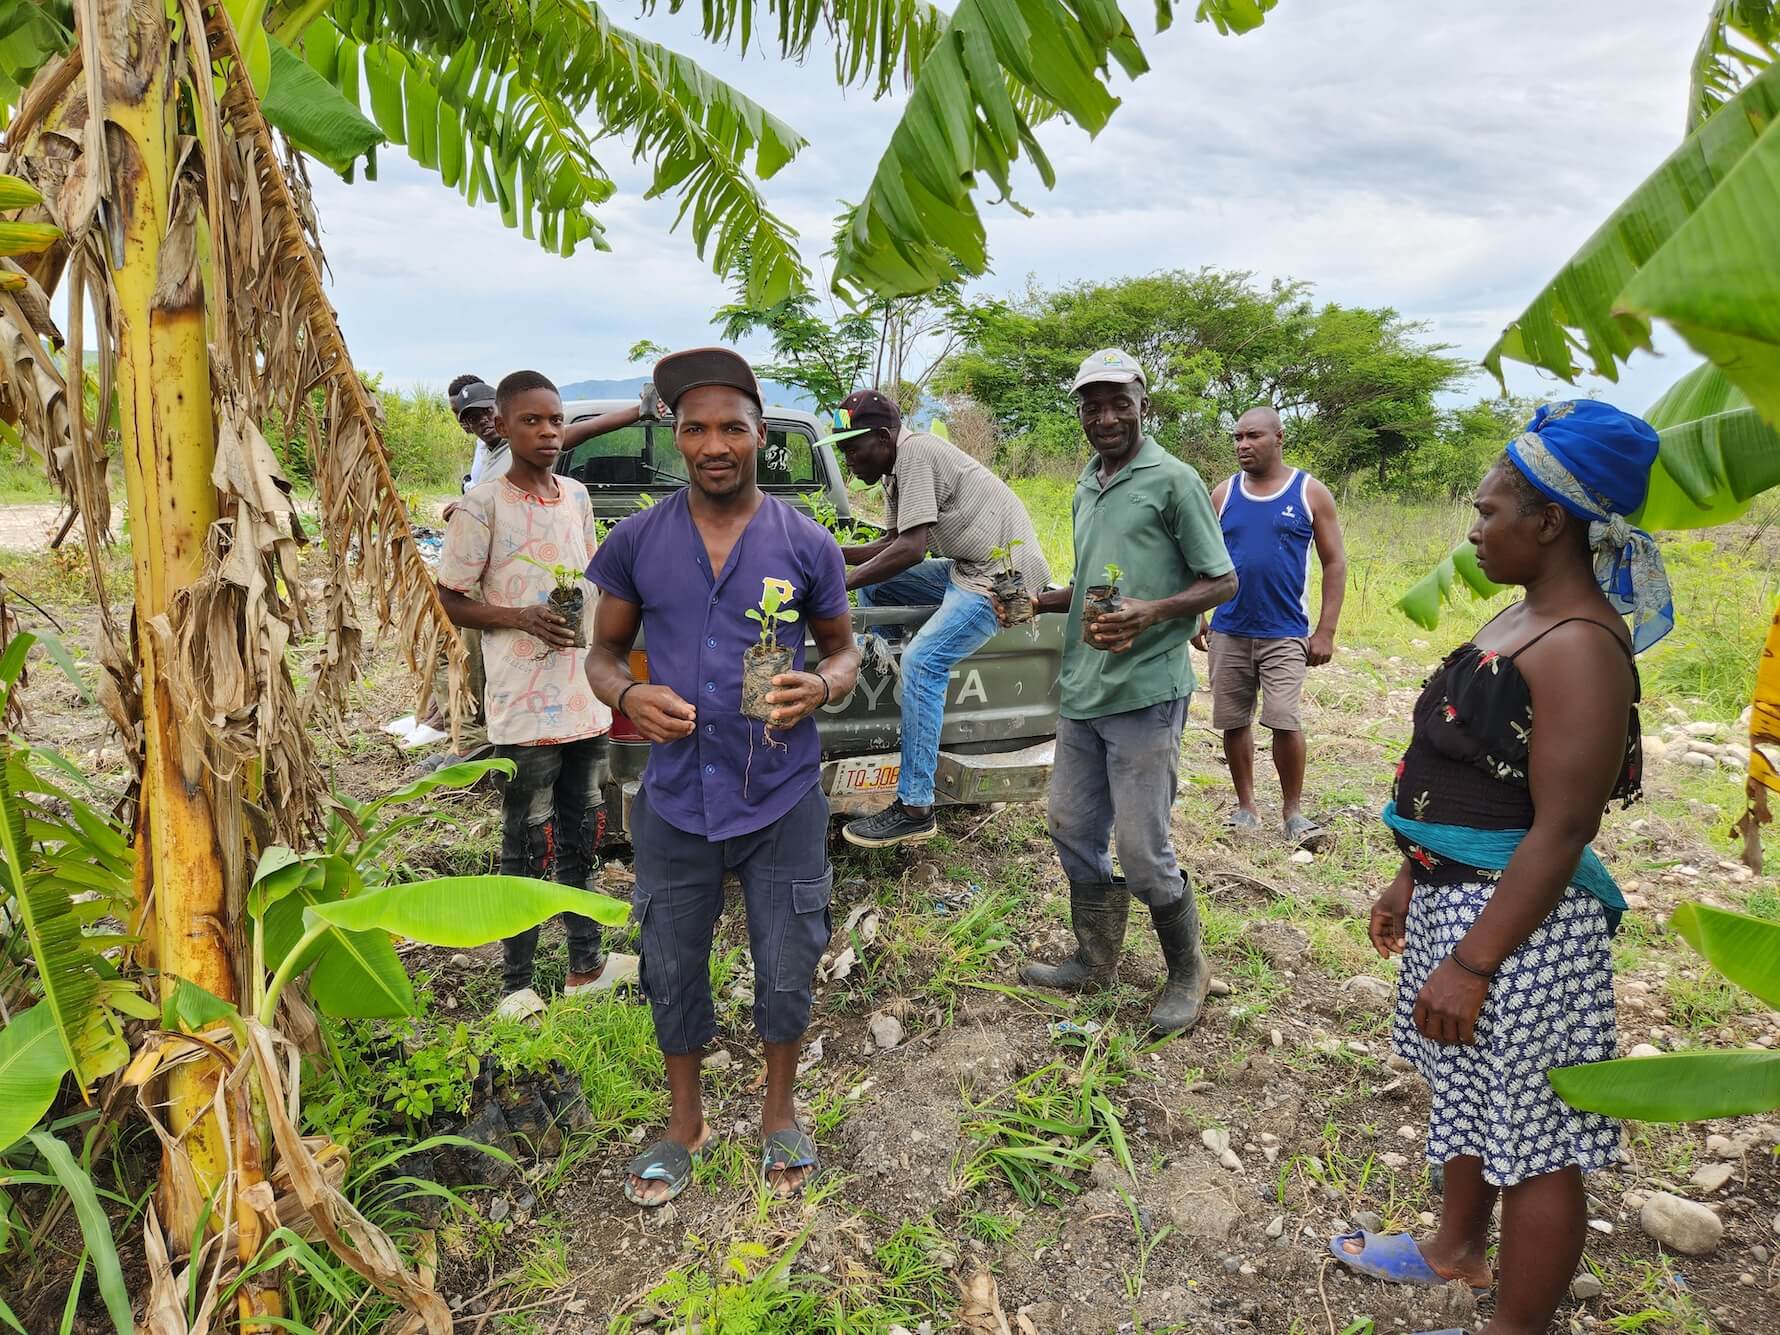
{"points": [[1112, 366]]}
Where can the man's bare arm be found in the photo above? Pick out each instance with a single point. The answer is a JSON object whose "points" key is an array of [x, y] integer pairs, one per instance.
{"points": [[900, 552], [1331, 551], [538, 619]]}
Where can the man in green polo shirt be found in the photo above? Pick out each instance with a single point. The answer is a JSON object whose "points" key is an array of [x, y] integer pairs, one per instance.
{"points": [[1125, 691]]}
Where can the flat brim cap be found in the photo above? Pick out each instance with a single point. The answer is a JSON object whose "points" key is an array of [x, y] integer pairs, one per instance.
{"points": [[477, 395], [1109, 366], [680, 371]]}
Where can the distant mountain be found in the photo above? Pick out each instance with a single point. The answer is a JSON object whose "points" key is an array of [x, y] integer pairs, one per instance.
{"points": [[783, 396]]}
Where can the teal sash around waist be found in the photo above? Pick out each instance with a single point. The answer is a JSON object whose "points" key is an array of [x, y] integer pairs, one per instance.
{"points": [[1490, 850]]}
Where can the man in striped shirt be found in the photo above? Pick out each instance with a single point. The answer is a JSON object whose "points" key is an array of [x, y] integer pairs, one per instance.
{"points": [[942, 501]]}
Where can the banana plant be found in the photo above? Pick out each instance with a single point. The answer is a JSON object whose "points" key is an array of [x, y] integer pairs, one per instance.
{"points": [[1699, 1084]]}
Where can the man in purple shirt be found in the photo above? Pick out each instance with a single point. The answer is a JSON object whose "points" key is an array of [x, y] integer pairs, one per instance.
{"points": [[722, 792]]}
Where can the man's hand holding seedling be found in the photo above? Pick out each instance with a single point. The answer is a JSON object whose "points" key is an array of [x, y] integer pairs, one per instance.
{"points": [[794, 697], [541, 622], [1117, 631]]}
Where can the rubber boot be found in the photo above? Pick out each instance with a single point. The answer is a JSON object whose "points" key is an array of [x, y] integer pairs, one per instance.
{"points": [[1189, 974], [1098, 911]]}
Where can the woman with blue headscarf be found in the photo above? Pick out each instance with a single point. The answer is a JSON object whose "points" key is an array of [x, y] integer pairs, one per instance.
{"points": [[1501, 911]]}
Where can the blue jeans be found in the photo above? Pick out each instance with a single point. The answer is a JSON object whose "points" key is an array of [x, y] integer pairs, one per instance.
{"points": [[962, 625], [1119, 774]]}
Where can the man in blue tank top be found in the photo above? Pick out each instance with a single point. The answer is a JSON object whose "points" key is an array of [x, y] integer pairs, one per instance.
{"points": [[1261, 640]]}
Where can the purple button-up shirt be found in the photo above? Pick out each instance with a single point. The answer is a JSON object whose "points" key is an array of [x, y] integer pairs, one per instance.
{"points": [[728, 778]]}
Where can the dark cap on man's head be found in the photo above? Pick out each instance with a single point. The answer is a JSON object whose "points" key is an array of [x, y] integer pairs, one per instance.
{"points": [[476, 394], [680, 371], [864, 409]]}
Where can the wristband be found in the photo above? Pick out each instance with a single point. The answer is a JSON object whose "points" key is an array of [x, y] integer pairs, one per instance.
{"points": [[824, 680], [626, 691], [1453, 955]]}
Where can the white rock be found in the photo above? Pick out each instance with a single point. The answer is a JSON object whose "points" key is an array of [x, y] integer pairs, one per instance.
{"points": [[1277, 1227], [1303, 855], [1699, 761], [1215, 1139], [1601, 1226], [719, 1060], [462, 961], [1701, 729], [1586, 1286], [1711, 1177], [1369, 987], [886, 1031], [1645, 1050], [1408, 1133], [1704, 749], [1681, 1225], [1229, 1160], [1393, 1160], [1219, 988]]}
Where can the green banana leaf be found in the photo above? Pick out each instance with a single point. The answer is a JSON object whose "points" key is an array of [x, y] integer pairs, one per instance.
{"points": [[1744, 949], [33, 1060], [464, 911], [1742, 36], [66, 964], [1580, 310], [1716, 454], [1717, 278], [1674, 1086], [192, 1009], [318, 119], [353, 973], [95, 1230], [1425, 598]]}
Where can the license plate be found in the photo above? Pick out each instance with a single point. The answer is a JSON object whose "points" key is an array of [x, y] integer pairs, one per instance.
{"points": [[866, 776]]}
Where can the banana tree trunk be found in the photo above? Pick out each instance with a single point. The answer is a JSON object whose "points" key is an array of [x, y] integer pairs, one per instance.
{"points": [[164, 397]]}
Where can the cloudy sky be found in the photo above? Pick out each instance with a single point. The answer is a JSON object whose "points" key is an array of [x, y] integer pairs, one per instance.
{"points": [[1440, 159]]}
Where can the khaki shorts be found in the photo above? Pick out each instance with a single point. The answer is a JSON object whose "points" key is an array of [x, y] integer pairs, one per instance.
{"points": [[1242, 667]]}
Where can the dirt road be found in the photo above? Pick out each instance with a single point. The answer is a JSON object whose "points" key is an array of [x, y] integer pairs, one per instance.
{"points": [[29, 527]]}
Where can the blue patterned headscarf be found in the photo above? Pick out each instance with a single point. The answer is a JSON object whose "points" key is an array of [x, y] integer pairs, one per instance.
{"points": [[1594, 460]]}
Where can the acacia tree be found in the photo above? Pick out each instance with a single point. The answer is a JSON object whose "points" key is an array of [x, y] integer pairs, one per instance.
{"points": [[150, 194]]}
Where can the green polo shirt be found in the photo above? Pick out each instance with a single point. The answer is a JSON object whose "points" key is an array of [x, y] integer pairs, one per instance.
{"points": [[1155, 521]]}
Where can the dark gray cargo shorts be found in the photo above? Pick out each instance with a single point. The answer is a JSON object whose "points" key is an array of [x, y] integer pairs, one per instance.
{"points": [[786, 885]]}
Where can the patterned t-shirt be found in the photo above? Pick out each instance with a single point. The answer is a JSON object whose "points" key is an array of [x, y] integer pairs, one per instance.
{"points": [[536, 696]]}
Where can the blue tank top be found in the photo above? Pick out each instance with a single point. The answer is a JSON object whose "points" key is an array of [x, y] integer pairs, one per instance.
{"points": [[1269, 541]]}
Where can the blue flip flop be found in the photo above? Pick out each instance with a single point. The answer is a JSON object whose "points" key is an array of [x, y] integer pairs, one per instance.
{"points": [[1392, 1257]]}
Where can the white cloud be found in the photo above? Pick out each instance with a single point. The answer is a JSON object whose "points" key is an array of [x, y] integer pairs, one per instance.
{"points": [[1442, 160]]}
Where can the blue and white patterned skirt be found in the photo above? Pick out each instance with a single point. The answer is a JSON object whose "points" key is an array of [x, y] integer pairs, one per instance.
{"points": [[1550, 1005]]}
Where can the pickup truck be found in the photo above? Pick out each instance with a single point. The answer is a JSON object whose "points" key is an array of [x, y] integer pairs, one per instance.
{"points": [[1001, 708]]}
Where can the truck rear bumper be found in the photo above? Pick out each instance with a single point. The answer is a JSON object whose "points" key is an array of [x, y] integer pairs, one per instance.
{"points": [[858, 785]]}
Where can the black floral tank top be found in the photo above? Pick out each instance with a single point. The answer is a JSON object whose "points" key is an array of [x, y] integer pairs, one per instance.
{"points": [[1467, 757]]}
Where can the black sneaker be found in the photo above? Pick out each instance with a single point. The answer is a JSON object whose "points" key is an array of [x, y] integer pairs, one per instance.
{"points": [[895, 824]]}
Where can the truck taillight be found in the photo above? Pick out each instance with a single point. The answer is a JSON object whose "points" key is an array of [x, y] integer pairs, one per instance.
{"points": [[623, 730]]}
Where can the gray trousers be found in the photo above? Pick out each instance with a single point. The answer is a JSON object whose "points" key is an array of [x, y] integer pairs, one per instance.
{"points": [[1118, 775]]}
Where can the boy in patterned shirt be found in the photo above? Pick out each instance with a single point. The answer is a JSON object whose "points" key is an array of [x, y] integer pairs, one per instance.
{"points": [[495, 576]]}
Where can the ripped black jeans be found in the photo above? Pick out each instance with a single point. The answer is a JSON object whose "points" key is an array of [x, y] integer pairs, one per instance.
{"points": [[552, 819]]}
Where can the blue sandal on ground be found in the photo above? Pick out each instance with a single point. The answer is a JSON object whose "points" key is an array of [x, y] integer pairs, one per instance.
{"points": [[1392, 1257], [787, 1149], [664, 1161]]}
